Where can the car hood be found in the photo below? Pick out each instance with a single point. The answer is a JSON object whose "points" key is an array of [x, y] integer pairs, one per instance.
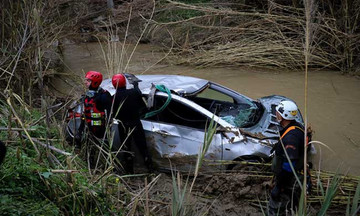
{"points": [[268, 127], [270, 103]]}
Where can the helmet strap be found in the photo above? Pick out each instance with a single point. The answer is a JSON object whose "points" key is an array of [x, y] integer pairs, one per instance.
{"points": [[92, 88]]}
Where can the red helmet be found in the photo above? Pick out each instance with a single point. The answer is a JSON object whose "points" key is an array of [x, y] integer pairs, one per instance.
{"points": [[95, 77], [118, 81]]}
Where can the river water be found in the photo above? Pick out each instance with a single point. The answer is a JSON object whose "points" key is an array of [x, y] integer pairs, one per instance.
{"points": [[333, 99]]}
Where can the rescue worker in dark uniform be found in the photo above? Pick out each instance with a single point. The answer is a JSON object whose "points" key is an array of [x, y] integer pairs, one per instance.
{"points": [[2, 151], [286, 192], [97, 104], [126, 109]]}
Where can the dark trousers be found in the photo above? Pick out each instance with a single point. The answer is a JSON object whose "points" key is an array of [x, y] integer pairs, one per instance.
{"points": [[2, 151], [95, 141], [132, 132], [285, 194]]}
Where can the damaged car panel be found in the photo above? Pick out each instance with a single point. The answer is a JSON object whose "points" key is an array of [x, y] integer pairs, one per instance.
{"points": [[177, 133], [178, 146], [246, 128]]}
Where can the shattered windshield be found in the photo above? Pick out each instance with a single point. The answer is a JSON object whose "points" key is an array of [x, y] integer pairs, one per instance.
{"points": [[240, 118], [235, 109]]}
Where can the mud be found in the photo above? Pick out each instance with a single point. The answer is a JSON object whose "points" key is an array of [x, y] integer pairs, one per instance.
{"points": [[225, 194], [233, 193], [215, 194]]}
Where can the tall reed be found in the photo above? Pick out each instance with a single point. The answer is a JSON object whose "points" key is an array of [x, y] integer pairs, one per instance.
{"points": [[270, 35]]}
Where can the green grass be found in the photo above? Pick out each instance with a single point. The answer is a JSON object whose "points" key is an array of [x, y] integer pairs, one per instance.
{"points": [[22, 190], [27, 184], [178, 14], [33, 184]]}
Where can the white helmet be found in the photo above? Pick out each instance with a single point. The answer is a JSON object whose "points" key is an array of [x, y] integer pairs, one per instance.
{"points": [[287, 109]]}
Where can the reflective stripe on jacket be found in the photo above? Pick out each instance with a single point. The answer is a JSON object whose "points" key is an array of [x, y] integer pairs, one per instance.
{"points": [[93, 116]]}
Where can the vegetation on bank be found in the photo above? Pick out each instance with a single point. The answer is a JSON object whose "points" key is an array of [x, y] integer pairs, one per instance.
{"points": [[38, 181], [204, 33], [262, 33]]}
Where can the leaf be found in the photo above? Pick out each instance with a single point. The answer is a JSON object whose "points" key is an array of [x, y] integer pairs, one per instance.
{"points": [[46, 174], [355, 200], [330, 193]]}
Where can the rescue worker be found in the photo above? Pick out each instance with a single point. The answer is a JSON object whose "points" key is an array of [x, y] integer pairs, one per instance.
{"points": [[97, 104], [286, 191], [126, 109], [2, 151]]}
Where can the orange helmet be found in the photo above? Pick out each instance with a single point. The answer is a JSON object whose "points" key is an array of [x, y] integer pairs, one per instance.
{"points": [[95, 77], [118, 81]]}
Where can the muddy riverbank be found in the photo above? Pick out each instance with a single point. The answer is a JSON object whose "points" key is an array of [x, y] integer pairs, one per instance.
{"points": [[333, 98]]}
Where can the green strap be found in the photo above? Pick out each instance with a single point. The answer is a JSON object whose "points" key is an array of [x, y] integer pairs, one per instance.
{"points": [[161, 88]]}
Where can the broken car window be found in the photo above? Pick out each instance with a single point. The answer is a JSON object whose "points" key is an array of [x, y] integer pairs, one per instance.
{"points": [[240, 112], [215, 95], [179, 114]]}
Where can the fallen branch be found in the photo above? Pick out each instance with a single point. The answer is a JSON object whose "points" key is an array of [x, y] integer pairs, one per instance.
{"points": [[16, 129], [48, 146], [22, 125], [64, 171], [55, 106]]}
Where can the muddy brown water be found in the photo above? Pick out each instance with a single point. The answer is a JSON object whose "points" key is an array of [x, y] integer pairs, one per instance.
{"points": [[333, 99]]}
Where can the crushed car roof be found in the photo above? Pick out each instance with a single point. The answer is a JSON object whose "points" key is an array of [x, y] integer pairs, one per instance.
{"points": [[177, 83]]}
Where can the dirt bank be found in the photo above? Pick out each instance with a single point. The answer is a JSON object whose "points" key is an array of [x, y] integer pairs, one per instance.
{"points": [[215, 194]]}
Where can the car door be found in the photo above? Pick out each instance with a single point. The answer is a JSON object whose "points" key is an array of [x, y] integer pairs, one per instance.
{"points": [[176, 135]]}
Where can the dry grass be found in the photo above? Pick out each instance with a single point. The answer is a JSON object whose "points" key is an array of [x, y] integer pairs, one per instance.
{"points": [[271, 37], [30, 40]]}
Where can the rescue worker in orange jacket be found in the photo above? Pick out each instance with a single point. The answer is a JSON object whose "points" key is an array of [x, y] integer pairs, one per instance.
{"points": [[126, 106], [286, 192], [97, 104]]}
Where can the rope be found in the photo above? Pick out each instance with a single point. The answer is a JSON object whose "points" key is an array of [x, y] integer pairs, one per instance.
{"points": [[161, 88]]}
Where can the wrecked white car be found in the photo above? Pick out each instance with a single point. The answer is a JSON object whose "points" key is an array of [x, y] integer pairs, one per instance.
{"points": [[246, 128]]}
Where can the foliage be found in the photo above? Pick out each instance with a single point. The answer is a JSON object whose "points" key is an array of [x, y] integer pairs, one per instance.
{"points": [[180, 196], [22, 190], [355, 203], [29, 186], [174, 14], [46, 184], [178, 15], [29, 43], [263, 34], [330, 194]]}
